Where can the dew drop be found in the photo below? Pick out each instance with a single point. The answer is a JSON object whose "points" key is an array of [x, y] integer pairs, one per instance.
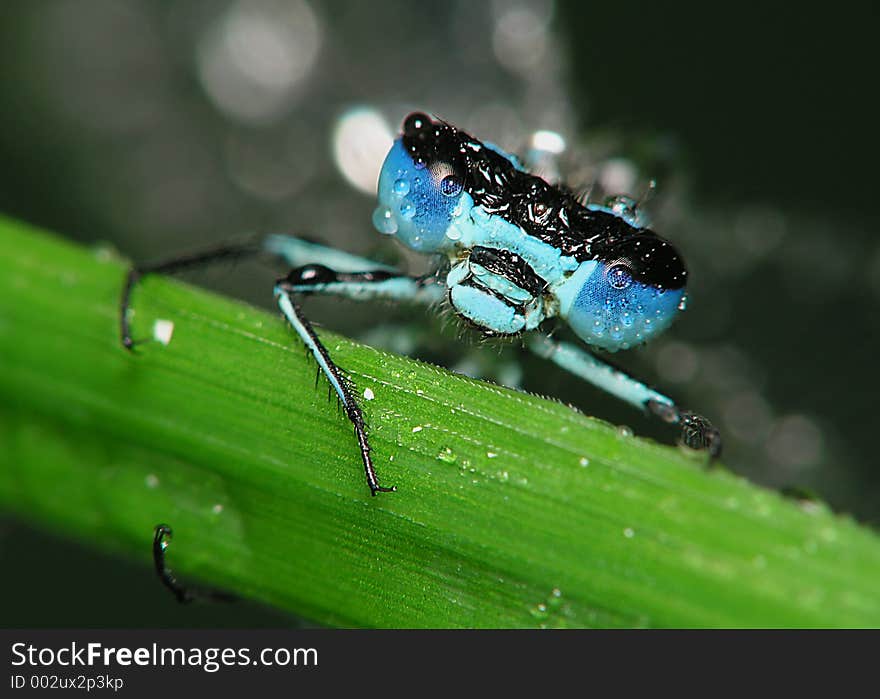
{"points": [[451, 186], [368, 394], [491, 454], [417, 428], [383, 221], [624, 431], [446, 455], [408, 210], [629, 533], [619, 277], [539, 611], [584, 461], [401, 187], [453, 233]]}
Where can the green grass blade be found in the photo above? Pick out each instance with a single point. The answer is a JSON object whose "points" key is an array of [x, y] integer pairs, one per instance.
{"points": [[511, 510]]}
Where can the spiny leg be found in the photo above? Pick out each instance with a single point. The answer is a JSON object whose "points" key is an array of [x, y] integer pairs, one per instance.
{"points": [[161, 538], [375, 284], [295, 252], [696, 431]]}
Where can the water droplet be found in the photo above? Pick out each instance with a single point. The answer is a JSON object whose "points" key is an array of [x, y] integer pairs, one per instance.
{"points": [[540, 611], [152, 480], [417, 428], [447, 455], [584, 461], [419, 165], [619, 277], [629, 533], [683, 304], [368, 394], [217, 509], [491, 454], [453, 233], [451, 186], [407, 210], [383, 221], [401, 187], [624, 431]]}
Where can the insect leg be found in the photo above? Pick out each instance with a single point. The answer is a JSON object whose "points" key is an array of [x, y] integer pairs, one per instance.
{"points": [[295, 252], [177, 264], [696, 431], [161, 537], [375, 284]]}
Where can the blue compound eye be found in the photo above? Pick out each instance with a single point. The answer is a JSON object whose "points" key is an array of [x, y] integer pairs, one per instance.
{"points": [[629, 297], [422, 188]]}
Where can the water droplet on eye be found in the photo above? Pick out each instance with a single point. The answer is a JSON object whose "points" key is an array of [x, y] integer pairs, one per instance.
{"points": [[451, 186], [419, 165], [407, 210], [383, 221], [401, 187], [619, 277], [626, 318]]}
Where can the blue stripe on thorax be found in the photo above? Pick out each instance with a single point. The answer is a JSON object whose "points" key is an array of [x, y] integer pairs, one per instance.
{"points": [[474, 226]]}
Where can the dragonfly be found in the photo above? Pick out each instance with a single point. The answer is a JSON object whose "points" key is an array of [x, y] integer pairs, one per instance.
{"points": [[512, 251]]}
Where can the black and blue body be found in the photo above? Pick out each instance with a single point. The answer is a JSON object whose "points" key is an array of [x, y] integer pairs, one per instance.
{"points": [[514, 251], [521, 250]]}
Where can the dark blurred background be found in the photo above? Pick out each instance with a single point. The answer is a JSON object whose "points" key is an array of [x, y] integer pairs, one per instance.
{"points": [[162, 126]]}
